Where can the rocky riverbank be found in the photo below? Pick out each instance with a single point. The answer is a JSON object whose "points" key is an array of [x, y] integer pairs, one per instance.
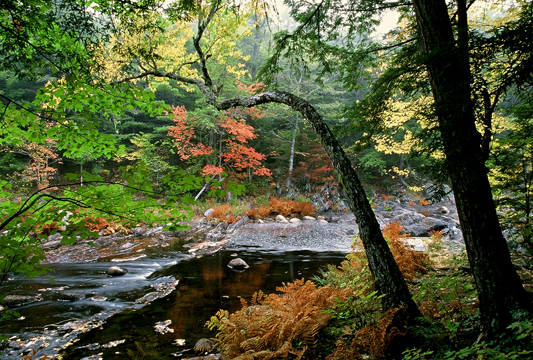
{"points": [[330, 231]]}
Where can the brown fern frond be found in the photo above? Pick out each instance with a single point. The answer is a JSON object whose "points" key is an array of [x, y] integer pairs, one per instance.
{"points": [[409, 261], [280, 326], [377, 339], [255, 344], [343, 352]]}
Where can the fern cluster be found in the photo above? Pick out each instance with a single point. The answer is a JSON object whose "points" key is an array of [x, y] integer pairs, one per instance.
{"points": [[412, 263], [278, 326]]}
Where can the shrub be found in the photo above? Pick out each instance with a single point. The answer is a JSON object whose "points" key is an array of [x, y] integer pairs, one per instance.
{"points": [[287, 207], [253, 214], [411, 262], [277, 326], [47, 229]]}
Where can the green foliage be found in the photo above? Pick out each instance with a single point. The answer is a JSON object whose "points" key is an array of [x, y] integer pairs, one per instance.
{"points": [[145, 350], [130, 200], [515, 344], [512, 179], [218, 321]]}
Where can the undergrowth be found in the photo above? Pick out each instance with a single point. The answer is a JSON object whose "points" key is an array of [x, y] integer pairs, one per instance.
{"points": [[338, 316], [232, 212]]}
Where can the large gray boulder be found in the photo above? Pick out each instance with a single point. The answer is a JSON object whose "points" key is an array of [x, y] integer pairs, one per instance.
{"points": [[413, 222], [424, 227]]}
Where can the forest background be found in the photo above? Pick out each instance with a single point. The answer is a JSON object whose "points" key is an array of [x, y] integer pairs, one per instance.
{"points": [[112, 109]]}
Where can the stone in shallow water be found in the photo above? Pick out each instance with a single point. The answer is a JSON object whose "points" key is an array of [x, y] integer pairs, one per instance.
{"points": [[19, 300], [238, 264], [69, 296], [116, 271], [204, 345]]}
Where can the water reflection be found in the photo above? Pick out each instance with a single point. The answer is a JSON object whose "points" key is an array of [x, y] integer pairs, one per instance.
{"points": [[205, 285]]}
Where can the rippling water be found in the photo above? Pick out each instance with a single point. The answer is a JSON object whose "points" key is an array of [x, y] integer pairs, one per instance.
{"points": [[206, 285]]}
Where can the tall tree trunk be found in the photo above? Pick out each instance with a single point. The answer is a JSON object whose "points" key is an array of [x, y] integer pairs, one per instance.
{"points": [[502, 297], [389, 279], [291, 156]]}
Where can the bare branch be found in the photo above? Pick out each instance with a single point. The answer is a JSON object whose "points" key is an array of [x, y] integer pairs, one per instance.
{"points": [[202, 26]]}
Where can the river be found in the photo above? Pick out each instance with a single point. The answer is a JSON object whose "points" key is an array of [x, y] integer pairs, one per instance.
{"points": [[124, 328]]}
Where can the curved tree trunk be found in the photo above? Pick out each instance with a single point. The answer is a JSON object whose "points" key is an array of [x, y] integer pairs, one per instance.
{"points": [[389, 279], [501, 295]]}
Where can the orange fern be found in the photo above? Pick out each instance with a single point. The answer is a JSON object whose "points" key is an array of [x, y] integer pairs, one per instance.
{"points": [[280, 326], [411, 262]]}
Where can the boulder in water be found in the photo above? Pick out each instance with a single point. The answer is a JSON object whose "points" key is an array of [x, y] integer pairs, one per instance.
{"points": [[204, 345], [116, 271], [70, 296], [238, 264]]}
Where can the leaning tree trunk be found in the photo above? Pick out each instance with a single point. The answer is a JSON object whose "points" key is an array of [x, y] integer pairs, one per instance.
{"points": [[389, 279], [501, 295]]}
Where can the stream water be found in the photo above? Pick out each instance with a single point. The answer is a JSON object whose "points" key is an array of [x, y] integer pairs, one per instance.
{"points": [[125, 329]]}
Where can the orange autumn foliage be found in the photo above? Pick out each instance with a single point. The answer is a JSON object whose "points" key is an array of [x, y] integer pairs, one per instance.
{"points": [[280, 326], [411, 262], [96, 224], [47, 229], [377, 339], [287, 207], [231, 152]]}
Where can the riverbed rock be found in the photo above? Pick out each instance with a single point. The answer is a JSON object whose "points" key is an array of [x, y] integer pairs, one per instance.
{"points": [[310, 218], [116, 271], [443, 210], [20, 300], [55, 237], [209, 212], [70, 296], [295, 221], [204, 345], [238, 264], [281, 219]]}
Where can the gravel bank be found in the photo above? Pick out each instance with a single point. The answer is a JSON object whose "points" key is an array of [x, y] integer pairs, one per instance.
{"points": [[306, 235]]}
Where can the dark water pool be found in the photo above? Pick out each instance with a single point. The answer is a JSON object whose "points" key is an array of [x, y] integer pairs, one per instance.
{"points": [[205, 285]]}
